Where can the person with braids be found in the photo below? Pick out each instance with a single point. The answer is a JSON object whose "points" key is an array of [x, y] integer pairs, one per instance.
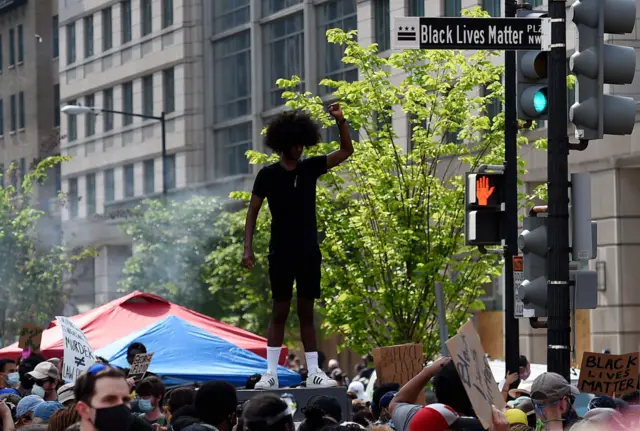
{"points": [[215, 406], [294, 253], [63, 419], [320, 412], [267, 413]]}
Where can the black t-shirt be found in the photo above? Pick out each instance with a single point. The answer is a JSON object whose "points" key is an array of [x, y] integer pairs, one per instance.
{"points": [[292, 201]]}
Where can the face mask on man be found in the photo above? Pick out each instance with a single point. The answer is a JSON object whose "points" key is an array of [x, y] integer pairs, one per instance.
{"points": [[13, 379], [525, 375], [116, 418], [145, 405], [38, 390]]}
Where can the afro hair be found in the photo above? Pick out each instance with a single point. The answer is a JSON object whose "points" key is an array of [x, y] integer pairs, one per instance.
{"points": [[291, 129]]}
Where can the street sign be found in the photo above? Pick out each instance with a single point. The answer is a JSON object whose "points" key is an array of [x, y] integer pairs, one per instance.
{"points": [[522, 34]]}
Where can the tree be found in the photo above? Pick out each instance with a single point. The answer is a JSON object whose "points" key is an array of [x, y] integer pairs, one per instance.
{"points": [[392, 218], [35, 275]]}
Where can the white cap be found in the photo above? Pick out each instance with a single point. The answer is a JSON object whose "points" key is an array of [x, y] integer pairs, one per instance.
{"points": [[357, 389], [333, 364], [65, 393]]}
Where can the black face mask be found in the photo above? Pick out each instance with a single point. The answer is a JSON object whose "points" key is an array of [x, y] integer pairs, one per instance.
{"points": [[116, 418]]}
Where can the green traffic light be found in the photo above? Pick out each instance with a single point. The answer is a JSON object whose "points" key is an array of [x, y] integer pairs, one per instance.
{"points": [[540, 102]]}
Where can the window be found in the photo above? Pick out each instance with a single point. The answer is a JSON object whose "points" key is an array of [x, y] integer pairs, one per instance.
{"points": [[147, 95], [12, 47], [169, 91], [73, 197], [536, 3], [107, 30], [20, 44], [167, 13], [452, 7], [57, 174], [14, 113], [107, 104], [127, 102], [492, 7], [21, 114], [335, 14], [149, 177], [55, 37], [23, 170], [170, 166], [146, 17], [72, 124], [91, 194], [382, 17], [233, 76], [271, 6], [89, 119], [125, 20], [284, 55], [231, 145], [1, 56], [229, 14], [129, 189], [416, 7], [1, 117], [71, 43], [109, 185], [88, 36], [56, 105]]}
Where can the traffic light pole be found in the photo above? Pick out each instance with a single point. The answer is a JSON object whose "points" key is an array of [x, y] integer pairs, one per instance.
{"points": [[558, 322], [511, 324]]}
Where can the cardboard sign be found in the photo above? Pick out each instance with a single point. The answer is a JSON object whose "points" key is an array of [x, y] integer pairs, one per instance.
{"points": [[78, 354], [473, 367], [399, 364], [140, 366], [612, 375], [30, 337]]}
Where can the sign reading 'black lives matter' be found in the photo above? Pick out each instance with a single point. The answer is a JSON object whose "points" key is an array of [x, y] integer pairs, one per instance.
{"points": [[471, 33], [613, 375]]}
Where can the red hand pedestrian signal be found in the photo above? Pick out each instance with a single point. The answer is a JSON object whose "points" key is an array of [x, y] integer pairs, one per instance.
{"points": [[483, 191]]}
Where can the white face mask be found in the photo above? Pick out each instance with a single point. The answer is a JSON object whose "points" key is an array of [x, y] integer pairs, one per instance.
{"points": [[13, 379], [38, 390]]}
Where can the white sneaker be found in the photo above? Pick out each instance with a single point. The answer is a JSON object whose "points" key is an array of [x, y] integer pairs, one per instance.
{"points": [[268, 381], [320, 380]]}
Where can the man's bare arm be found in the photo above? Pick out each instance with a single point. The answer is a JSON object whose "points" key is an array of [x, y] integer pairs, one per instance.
{"points": [[410, 392], [248, 258], [346, 145]]}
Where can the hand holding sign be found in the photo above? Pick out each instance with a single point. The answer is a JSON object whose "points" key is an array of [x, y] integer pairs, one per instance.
{"points": [[483, 191]]}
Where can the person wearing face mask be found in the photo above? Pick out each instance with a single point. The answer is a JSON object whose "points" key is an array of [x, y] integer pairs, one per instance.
{"points": [[524, 372], [103, 400], [9, 376], [46, 376], [553, 398], [151, 391]]}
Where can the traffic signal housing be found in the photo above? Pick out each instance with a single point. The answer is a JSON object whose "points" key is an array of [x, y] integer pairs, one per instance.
{"points": [[596, 63], [533, 244], [484, 208], [532, 78]]}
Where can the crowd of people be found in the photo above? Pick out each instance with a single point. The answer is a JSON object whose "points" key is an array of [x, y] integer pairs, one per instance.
{"points": [[34, 397]]}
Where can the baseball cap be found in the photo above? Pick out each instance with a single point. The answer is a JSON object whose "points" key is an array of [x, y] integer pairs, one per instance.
{"points": [[551, 387], [54, 361], [434, 417], [386, 399], [45, 410], [357, 388], [65, 393], [27, 404], [517, 393], [515, 416], [45, 370], [523, 403]]}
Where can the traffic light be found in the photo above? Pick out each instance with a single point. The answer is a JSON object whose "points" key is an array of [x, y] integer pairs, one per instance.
{"points": [[596, 63], [484, 208], [533, 83], [533, 244]]}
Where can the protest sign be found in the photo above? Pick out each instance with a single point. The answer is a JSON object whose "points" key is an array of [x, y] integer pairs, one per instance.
{"points": [[613, 375], [78, 354], [474, 370], [30, 337], [399, 364], [140, 366]]}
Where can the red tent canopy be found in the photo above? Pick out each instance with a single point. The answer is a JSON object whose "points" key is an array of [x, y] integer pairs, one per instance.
{"points": [[116, 319]]}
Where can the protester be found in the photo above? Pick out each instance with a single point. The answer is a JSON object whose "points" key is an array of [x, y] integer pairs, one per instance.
{"points": [[11, 401], [525, 405], [319, 412], [376, 399], [553, 398], [66, 395], [25, 408], [605, 417], [523, 373], [151, 392], [102, 396], [215, 405], [267, 413], [46, 376], [364, 418], [184, 417], [177, 399], [384, 418], [63, 419], [45, 410], [9, 376], [356, 392], [26, 366]]}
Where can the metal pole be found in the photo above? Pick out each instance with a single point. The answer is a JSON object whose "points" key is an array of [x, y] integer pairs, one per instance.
{"points": [[442, 319], [559, 324], [511, 324], [164, 154]]}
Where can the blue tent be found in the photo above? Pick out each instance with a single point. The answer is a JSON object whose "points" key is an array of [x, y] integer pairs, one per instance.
{"points": [[185, 353]]}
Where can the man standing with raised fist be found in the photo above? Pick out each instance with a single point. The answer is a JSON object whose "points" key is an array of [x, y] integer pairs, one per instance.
{"points": [[294, 253]]}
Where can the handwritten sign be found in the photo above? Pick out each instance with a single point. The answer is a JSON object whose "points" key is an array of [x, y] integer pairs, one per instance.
{"points": [[399, 364], [30, 337], [474, 370], [140, 366], [613, 375], [78, 354]]}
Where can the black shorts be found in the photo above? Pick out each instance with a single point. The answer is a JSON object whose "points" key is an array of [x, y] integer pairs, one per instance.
{"points": [[302, 267]]}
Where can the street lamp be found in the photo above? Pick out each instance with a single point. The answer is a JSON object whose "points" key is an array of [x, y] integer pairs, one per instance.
{"points": [[92, 110]]}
